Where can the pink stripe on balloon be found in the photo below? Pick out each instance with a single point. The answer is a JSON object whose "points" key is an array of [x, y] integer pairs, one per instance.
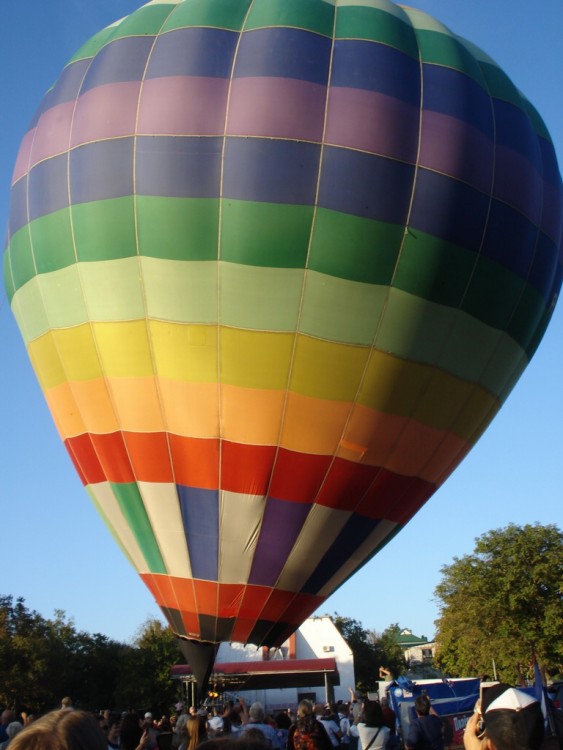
{"points": [[182, 105], [22, 160], [457, 149], [52, 132], [372, 122], [276, 108], [108, 111]]}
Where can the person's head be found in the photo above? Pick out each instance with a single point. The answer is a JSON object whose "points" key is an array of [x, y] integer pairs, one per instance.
{"points": [[13, 728], [512, 719], [66, 703], [195, 729], [305, 708], [7, 716], [129, 731], [113, 724], [253, 739], [61, 730], [282, 720], [373, 716], [256, 712], [422, 705]]}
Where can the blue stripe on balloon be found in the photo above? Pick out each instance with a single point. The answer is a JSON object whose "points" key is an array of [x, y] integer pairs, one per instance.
{"points": [[455, 94], [353, 534], [193, 52], [18, 205], [274, 171], [508, 238], [200, 515], [283, 53], [281, 525], [48, 186], [514, 130], [66, 88], [448, 209], [365, 185], [122, 60], [179, 167], [376, 67], [100, 170]]}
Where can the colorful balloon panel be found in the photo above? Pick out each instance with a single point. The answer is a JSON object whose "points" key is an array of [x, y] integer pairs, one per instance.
{"points": [[277, 265]]}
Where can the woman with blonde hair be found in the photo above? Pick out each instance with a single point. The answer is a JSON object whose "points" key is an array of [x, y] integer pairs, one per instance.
{"points": [[195, 732], [61, 730]]}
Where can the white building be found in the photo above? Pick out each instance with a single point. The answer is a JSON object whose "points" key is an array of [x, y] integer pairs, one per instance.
{"points": [[278, 677]]}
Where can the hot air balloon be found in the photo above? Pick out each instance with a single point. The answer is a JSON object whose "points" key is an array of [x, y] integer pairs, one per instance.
{"points": [[277, 265]]}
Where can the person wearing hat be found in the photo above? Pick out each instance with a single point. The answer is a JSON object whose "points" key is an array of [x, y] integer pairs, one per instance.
{"points": [[508, 719], [152, 732], [257, 720]]}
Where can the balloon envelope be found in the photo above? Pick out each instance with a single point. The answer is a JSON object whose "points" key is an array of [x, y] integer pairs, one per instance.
{"points": [[277, 265]]}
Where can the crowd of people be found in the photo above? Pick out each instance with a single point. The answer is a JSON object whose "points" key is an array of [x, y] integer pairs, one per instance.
{"points": [[508, 720]]}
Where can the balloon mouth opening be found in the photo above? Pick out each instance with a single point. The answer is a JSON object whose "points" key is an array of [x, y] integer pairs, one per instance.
{"points": [[200, 655]]}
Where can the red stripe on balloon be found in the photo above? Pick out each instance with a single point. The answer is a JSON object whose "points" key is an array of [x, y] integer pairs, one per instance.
{"points": [[250, 603], [246, 468], [298, 476], [371, 491]]}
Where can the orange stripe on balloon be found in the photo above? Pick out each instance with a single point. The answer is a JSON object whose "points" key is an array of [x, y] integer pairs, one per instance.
{"points": [[276, 604], [206, 595], [151, 452], [190, 408], [230, 599], [301, 606], [196, 462], [177, 594], [402, 445]]}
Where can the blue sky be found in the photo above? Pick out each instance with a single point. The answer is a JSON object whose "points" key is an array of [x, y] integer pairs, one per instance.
{"points": [[58, 554]]}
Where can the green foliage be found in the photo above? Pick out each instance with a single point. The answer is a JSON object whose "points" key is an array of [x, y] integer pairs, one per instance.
{"points": [[392, 651], [42, 660], [145, 670], [503, 603], [371, 651]]}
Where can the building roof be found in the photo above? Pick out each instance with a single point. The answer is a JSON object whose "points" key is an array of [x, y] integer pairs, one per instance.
{"points": [[261, 675], [406, 639]]}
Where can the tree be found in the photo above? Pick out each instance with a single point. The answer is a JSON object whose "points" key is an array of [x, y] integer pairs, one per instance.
{"points": [[393, 655], [367, 654], [501, 607], [144, 679], [41, 660]]}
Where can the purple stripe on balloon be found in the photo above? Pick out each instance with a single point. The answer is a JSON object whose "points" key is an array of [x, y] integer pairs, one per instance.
{"points": [[457, 149], [108, 111], [372, 122], [277, 108], [281, 524], [52, 132], [183, 105], [22, 160], [518, 183]]}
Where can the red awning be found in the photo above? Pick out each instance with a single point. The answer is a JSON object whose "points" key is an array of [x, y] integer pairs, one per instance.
{"points": [[262, 675]]}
